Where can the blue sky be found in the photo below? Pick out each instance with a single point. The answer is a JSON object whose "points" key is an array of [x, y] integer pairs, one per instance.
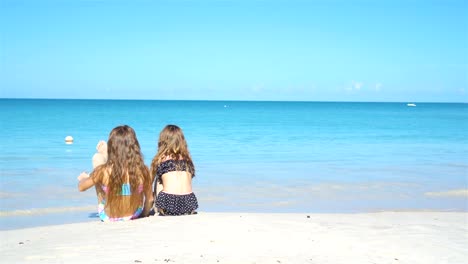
{"points": [[235, 50]]}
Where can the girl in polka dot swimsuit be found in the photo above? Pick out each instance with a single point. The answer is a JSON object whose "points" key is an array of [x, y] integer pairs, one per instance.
{"points": [[173, 170]]}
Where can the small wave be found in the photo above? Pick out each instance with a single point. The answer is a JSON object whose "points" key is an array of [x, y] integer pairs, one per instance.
{"points": [[42, 211]]}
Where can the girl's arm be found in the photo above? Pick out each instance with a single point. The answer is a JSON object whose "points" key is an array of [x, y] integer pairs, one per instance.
{"points": [[85, 182], [149, 200], [149, 196], [159, 187]]}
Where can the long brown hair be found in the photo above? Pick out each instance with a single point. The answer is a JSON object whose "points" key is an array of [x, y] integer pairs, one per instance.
{"points": [[172, 145], [125, 161]]}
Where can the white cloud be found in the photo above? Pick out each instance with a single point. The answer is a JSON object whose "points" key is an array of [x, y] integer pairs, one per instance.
{"points": [[258, 87], [357, 85], [378, 87], [450, 193]]}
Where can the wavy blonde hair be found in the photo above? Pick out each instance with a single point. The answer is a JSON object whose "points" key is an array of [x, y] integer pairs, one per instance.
{"points": [[125, 160], [172, 145]]}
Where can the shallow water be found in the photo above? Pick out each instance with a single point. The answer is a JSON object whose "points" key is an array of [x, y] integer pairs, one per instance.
{"points": [[249, 156]]}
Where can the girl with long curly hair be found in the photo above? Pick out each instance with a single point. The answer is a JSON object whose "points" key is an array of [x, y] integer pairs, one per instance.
{"points": [[123, 182], [173, 170]]}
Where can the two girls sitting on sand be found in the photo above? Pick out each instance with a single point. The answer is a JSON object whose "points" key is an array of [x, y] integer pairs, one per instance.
{"points": [[124, 184]]}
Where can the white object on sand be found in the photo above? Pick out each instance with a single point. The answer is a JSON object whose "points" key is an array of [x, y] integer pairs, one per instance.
{"points": [[68, 140]]}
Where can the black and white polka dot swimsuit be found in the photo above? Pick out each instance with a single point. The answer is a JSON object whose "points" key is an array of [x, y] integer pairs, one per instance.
{"points": [[175, 204]]}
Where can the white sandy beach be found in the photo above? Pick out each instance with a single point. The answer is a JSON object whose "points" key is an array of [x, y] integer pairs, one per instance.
{"points": [[387, 237]]}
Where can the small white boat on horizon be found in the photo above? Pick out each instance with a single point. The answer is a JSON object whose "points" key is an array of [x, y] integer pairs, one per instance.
{"points": [[411, 104]]}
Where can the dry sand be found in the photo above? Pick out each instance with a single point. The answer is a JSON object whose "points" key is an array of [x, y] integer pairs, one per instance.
{"points": [[387, 237]]}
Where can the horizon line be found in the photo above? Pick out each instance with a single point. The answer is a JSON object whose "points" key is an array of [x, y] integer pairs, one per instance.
{"points": [[231, 100]]}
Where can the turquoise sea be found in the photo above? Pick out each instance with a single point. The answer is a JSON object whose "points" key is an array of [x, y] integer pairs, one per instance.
{"points": [[249, 156]]}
